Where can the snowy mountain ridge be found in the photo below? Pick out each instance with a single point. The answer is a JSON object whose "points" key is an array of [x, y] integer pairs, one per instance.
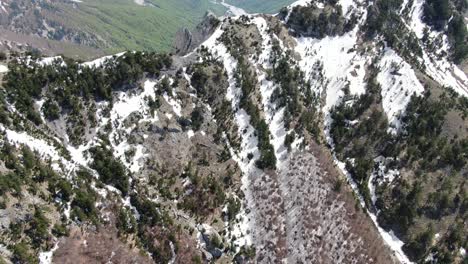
{"points": [[232, 147]]}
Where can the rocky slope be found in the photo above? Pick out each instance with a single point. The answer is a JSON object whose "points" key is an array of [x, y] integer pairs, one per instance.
{"points": [[309, 137]]}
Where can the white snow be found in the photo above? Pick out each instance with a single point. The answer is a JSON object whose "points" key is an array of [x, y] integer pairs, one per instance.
{"points": [[347, 6], [77, 154], [39, 145], [446, 74], [393, 241], [50, 60], [39, 104], [390, 239], [234, 10], [381, 175], [140, 2], [67, 210], [274, 117], [3, 68], [100, 61], [416, 23], [340, 65], [300, 3], [46, 257], [176, 107], [44, 61], [331, 64], [403, 6], [2, 7], [139, 154], [439, 68], [174, 255], [44, 149], [128, 103], [190, 133], [249, 141], [371, 186], [398, 82]]}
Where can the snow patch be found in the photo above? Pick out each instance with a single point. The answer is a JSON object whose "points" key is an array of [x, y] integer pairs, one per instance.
{"points": [[249, 141], [126, 104], [67, 210], [39, 104], [77, 154], [274, 117], [101, 61], [300, 3], [2, 7], [3, 68], [233, 10], [398, 82], [46, 257], [46, 61], [176, 107], [42, 147], [416, 23], [331, 64], [439, 68], [347, 6], [381, 175], [447, 74], [190, 133], [139, 154]]}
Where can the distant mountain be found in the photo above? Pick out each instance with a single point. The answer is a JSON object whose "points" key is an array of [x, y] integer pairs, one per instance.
{"points": [[107, 25]]}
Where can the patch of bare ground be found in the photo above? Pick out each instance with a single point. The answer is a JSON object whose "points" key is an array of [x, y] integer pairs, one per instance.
{"points": [[301, 219], [360, 223], [454, 124], [85, 246]]}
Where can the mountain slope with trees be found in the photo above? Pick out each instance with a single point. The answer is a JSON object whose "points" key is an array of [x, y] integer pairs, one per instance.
{"points": [[332, 132]]}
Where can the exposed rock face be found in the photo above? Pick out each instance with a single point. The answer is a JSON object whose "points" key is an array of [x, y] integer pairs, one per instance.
{"points": [[186, 41], [183, 41]]}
